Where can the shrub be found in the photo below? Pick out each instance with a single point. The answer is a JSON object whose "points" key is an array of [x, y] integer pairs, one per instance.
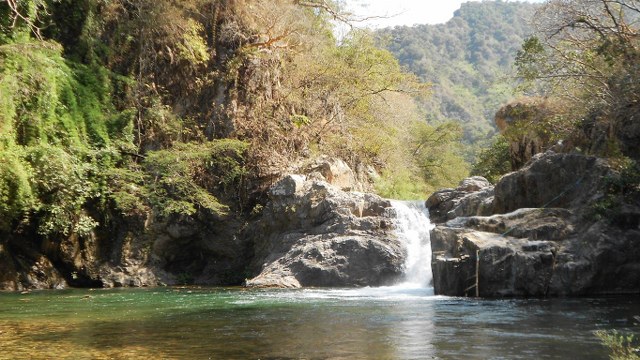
{"points": [[183, 178], [622, 347]]}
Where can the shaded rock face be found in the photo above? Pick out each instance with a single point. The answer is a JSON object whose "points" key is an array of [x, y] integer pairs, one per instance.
{"points": [[96, 260], [512, 254], [474, 196], [135, 253], [313, 234], [551, 180], [29, 270], [539, 239]]}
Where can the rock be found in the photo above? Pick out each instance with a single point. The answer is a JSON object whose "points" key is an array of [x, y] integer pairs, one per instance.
{"points": [[530, 223], [323, 236], [288, 186], [474, 196], [541, 239], [27, 270], [551, 180], [274, 279], [506, 266], [337, 173], [475, 183]]}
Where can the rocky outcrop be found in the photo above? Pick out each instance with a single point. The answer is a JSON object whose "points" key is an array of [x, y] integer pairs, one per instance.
{"points": [[541, 238], [511, 255], [525, 124], [474, 196], [335, 172], [314, 234], [139, 252], [552, 180], [311, 232], [30, 269]]}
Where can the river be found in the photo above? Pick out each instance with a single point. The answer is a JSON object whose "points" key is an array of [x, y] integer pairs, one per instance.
{"points": [[377, 323], [401, 322]]}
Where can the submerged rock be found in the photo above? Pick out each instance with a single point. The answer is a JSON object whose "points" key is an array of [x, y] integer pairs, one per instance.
{"points": [[320, 235]]}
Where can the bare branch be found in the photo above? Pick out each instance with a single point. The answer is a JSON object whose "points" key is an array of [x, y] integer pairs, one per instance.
{"points": [[14, 7]]}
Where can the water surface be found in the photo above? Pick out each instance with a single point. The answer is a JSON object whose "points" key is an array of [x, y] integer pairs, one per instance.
{"points": [[380, 323]]}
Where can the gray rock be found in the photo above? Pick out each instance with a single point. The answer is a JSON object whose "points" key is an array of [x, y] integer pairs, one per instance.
{"points": [[506, 266], [551, 180], [322, 236], [474, 196], [540, 240], [288, 186]]}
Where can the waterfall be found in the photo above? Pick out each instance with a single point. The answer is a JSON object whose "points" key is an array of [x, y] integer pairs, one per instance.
{"points": [[414, 226]]}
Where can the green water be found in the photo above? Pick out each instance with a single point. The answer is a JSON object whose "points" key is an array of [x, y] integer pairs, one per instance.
{"points": [[384, 323]]}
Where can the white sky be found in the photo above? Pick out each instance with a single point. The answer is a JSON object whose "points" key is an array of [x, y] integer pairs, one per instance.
{"points": [[406, 12]]}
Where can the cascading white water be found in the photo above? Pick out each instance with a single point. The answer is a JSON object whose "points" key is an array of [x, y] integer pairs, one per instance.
{"points": [[413, 227]]}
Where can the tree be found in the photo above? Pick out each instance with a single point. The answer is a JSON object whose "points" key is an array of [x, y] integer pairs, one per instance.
{"points": [[587, 54], [585, 50]]}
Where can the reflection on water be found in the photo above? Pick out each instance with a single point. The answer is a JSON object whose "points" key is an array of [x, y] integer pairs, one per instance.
{"points": [[380, 323]]}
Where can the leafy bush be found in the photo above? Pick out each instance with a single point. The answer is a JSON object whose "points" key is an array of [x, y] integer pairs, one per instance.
{"points": [[63, 183], [493, 162], [622, 347], [16, 196], [400, 184], [48, 100], [182, 179]]}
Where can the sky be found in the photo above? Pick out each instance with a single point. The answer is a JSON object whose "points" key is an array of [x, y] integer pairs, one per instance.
{"points": [[406, 12]]}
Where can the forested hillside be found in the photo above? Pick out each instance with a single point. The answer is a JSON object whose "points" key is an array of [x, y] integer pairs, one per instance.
{"points": [[469, 61], [120, 118]]}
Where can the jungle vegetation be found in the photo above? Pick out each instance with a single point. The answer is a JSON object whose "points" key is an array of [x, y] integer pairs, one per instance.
{"points": [[126, 108]]}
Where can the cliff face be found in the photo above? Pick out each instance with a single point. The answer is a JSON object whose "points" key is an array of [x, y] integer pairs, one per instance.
{"points": [[311, 232], [541, 236], [180, 250]]}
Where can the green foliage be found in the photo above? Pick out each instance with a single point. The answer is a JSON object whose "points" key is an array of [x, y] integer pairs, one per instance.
{"points": [[16, 196], [621, 347], [182, 178], [621, 187], [126, 188], [401, 183], [63, 184], [426, 158], [530, 59], [468, 60], [300, 120], [438, 155], [193, 47], [48, 101], [54, 136], [494, 161]]}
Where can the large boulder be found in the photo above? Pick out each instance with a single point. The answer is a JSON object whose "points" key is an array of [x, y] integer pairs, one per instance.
{"points": [[551, 180], [542, 238], [336, 172], [473, 196], [319, 235], [503, 255]]}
